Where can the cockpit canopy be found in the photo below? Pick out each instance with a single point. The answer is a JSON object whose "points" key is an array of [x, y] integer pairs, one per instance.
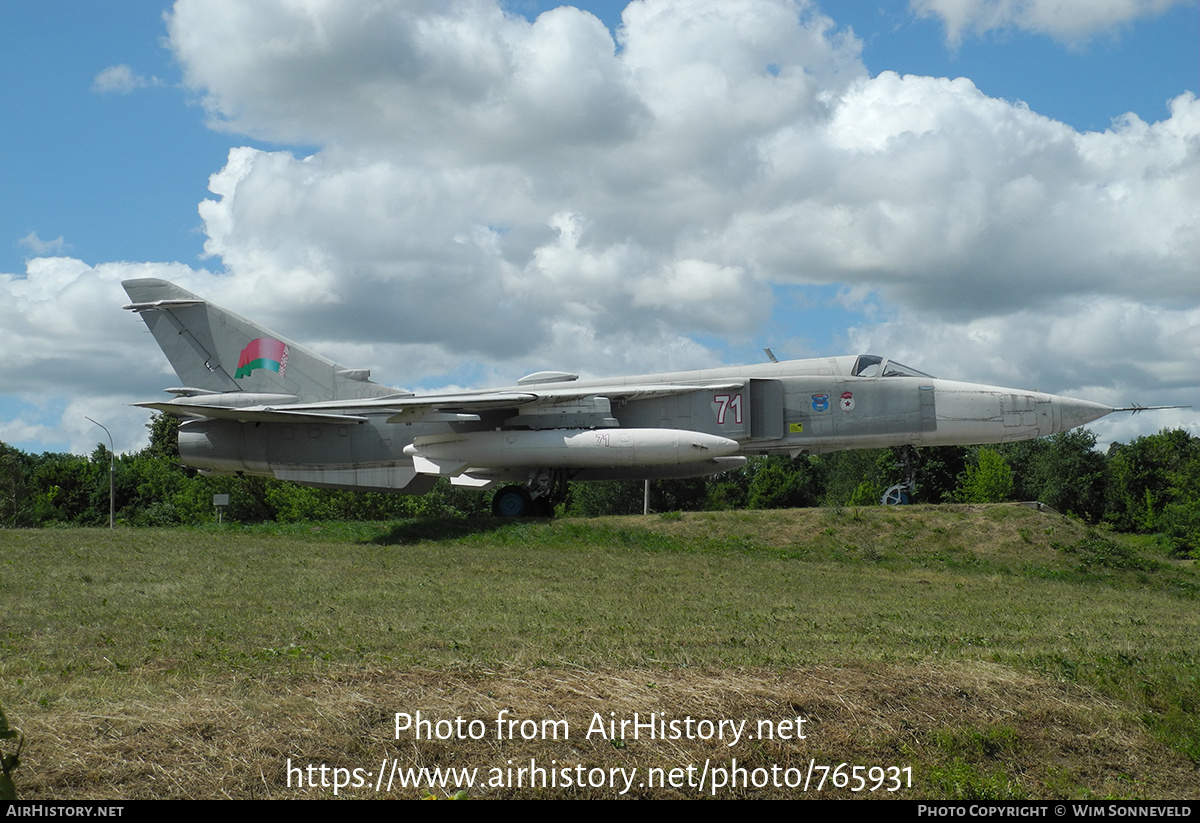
{"points": [[870, 365]]}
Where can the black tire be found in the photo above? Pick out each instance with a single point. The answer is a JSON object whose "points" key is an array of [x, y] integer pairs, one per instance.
{"points": [[512, 501]]}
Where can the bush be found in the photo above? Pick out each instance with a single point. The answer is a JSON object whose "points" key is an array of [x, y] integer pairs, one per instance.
{"points": [[988, 481]]}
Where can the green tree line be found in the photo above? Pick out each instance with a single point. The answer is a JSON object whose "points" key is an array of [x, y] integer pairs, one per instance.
{"points": [[1150, 485]]}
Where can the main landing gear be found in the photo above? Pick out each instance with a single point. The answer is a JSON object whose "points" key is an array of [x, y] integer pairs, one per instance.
{"points": [[512, 501], [537, 498]]}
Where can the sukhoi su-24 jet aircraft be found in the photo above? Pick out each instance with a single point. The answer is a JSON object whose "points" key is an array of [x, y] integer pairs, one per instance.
{"points": [[253, 402]]}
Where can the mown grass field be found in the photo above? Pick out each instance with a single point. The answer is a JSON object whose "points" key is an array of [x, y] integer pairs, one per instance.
{"points": [[996, 651]]}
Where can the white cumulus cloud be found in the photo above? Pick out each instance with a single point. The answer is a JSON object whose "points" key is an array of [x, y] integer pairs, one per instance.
{"points": [[465, 197], [121, 79], [1069, 21]]}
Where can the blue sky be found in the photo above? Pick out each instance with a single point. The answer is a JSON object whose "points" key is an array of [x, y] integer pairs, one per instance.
{"points": [[111, 151]]}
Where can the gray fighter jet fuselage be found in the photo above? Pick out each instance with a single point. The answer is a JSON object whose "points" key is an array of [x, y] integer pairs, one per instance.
{"points": [[256, 403]]}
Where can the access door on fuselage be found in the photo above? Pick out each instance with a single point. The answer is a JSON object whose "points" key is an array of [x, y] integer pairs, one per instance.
{"points": [[833, 413], [886, 410], [766, 410], [723, 412]]}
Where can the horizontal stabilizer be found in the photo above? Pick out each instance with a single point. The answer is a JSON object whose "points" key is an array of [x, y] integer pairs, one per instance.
{"points": [[250, 415], [188, 391]]}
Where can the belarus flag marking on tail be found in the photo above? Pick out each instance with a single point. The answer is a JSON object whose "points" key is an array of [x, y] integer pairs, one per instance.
{"points": [[263, 353]]}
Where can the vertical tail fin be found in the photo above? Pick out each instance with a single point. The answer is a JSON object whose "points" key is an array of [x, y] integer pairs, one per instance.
{"points": [[215, 350]]}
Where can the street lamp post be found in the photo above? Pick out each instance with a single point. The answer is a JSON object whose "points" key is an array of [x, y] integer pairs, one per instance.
{"points": [[111, 468]]}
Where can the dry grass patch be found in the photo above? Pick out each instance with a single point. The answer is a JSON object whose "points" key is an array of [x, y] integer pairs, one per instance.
{"points": [[975, 730]]}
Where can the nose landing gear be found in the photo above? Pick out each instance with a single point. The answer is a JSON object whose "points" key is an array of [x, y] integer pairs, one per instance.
{"points": [[902, 493]]}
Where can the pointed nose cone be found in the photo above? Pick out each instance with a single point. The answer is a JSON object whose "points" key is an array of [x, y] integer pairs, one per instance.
{"points": [[1071, 412]]}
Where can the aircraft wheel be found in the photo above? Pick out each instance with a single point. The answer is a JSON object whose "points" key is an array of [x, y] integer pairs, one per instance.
{"points": [[512, 501], [542, 507], [895, 496]]}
